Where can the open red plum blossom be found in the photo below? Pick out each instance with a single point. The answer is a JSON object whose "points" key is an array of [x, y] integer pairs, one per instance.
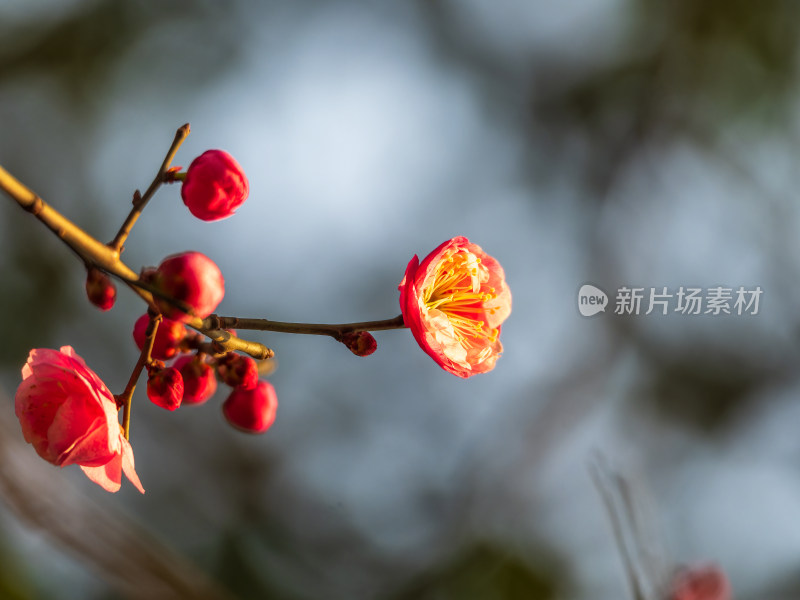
{"points": [[454, 302], [70, 417], [215, 186]]}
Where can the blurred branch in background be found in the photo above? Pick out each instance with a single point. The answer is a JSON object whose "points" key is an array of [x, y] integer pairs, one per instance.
{"points": [[688, 70], [643, 559], [81, 50]]}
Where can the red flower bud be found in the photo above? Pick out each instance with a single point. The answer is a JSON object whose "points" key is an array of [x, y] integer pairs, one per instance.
{"points": [[165, 387], [101, 290], [236, 370], [361, 343], [199, 380], [253, 410], [169, 335], [214, 186], [191, 278]]}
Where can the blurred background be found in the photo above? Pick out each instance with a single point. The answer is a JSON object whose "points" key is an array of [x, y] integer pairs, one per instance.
{"points": [[618, 142]]}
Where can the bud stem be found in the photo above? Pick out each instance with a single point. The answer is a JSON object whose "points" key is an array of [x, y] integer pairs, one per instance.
{"points": [[144, 359], [141, 200]]}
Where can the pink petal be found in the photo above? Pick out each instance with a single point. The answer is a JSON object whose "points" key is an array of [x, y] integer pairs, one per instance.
{"points": [[108, 476], [78, 417], [35, 408], [77, 364], [127, 464], [92, 449]]}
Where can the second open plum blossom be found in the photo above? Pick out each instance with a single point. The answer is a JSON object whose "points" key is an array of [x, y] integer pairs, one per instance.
{"points": [[70, 417], [454, 302]]}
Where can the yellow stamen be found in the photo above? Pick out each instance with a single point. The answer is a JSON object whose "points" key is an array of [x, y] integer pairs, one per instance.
{"points": [[451, 292]]}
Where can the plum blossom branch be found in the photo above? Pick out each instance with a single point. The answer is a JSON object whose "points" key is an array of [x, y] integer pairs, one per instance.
{"points": [[335, 331], [97, 254], [141, 200], [145, 356], [91, 250], [453, 302]]}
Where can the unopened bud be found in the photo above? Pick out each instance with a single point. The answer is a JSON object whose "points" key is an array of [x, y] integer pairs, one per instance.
{"points": [[165, 387], [193, 280], [253, 410], [100, 289], [236, 370], [199, 380], [169, 336], [214, 186], [360, 343]]}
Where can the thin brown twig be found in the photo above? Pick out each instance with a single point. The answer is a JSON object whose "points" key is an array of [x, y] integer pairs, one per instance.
{"points": [[141, 200], [223, 342], [336, 331], [155, 292], [126, 397]]}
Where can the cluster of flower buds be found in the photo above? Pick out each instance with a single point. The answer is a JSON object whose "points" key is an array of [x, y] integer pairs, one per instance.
{"points": [[192, 379], [192, 284]]}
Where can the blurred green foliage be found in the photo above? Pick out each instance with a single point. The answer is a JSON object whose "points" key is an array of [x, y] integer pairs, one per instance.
{"points": [[689, 72], [83, 48], [15, 580], [42, 276], [484, 571]]}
